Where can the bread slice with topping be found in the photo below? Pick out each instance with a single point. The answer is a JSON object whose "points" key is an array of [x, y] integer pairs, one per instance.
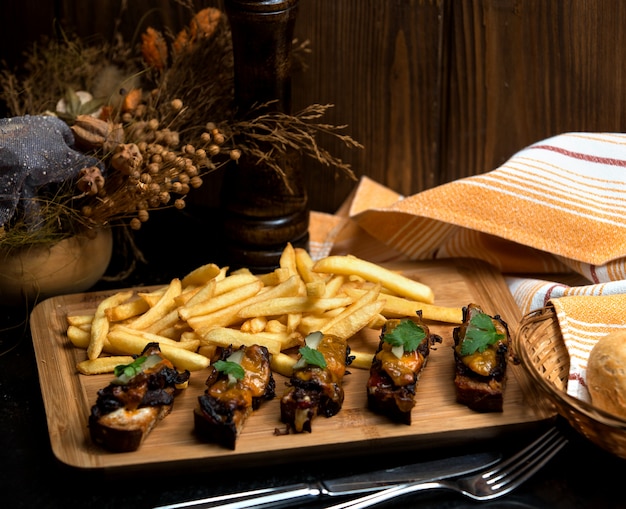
{"points": [[141, 395]]}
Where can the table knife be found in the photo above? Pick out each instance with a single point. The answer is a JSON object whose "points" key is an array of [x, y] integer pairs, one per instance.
{"points": [[301, 493]]}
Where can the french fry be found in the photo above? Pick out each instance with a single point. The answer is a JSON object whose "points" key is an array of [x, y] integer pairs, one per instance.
{"points": [[209, 351], [368, 297], [163, 306], [229, 316], [288, 260], [225, 336], [100, 323], [121, 332], [190, 335], [291, 339], [127, 310], [351, 265], [334, 285], [304, 264], [79, 337], [221, 301], [154, 296], [102, 364], [315, 289], [377, 322], [353, 322], [283, 364], [397, 307], [277, 276], [293, 320], [255, 324], [200, 275], [166, 321], [286, 305], [275, 326], [362, 360], [200, 294], [230, 283], [79, 320], [181, 358]]}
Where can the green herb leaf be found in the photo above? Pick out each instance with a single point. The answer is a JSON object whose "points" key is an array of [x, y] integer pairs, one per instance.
{"points": [[233, 369], [124, 372], [312, 356], [479, 334], [130, 370], [406, 334]]}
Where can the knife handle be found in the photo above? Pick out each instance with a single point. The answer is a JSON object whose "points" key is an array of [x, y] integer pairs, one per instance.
{"points": [[281, 496]]}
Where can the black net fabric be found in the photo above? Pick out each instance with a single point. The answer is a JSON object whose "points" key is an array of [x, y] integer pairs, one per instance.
{"points": [[35, 151]]}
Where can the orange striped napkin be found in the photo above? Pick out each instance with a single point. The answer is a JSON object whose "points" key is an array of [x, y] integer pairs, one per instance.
{"points": [[556, 207]]}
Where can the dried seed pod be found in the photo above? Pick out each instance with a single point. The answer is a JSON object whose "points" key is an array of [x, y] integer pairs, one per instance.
{"points": [[195, 182], [219, 138], [143, 215], [176, 104], [127, 158], [90, 180], [135, 223], [90, 133]]}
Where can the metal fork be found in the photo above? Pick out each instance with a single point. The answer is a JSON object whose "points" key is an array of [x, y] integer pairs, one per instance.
{"points": [[494, 482]]}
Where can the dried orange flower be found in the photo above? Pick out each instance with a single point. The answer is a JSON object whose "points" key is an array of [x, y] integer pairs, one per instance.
{"points": [[131, 100], [154, 48], [201, 26]]}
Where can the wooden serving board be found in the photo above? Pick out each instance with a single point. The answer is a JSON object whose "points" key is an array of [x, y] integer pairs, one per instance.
{"points": [[437, 418]]}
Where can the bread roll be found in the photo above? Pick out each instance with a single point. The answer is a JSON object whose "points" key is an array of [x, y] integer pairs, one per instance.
{"points": [[606, 374]]}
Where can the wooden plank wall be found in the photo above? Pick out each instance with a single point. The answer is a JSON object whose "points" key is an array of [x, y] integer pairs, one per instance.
{"points": [[435, 90]]}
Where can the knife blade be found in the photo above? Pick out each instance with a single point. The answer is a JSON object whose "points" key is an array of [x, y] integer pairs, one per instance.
{"points": [[300, 493]]}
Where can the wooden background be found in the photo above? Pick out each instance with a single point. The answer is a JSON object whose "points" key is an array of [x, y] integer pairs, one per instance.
{"points": [[434, 90]]}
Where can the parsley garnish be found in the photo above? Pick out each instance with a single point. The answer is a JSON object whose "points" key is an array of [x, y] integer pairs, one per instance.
{"points": [[233, 369], [312, 356], [130, 370], [407, 334], [480, 333]]}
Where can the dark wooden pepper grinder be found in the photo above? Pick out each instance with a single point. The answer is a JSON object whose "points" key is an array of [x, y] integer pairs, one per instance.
{"points": [[261, 212]]}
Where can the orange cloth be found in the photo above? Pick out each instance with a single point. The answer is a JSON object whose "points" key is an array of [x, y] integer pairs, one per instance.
{"points": [[557, 206]]}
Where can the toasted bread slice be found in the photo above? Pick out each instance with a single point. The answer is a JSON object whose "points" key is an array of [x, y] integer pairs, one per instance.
{"points": [[129, 408]]}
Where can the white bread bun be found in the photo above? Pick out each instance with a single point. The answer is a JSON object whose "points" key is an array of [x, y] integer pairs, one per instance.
{"points": [[606, 374]]}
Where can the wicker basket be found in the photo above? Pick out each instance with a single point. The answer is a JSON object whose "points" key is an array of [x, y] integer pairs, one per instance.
{"points": [[542, 351]]}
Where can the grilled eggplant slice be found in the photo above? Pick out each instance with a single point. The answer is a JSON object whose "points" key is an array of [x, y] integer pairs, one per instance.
{"points": [[141, 395], [237, 384], [481, 351], [316, 384], [396, 367]]}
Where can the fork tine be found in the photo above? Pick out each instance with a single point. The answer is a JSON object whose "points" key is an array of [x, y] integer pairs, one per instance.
{"points": [[508, 475], [521, 467], [523, 453]]}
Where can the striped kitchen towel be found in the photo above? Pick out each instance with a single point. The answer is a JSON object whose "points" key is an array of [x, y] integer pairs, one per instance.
{"points": [[556, 207]]}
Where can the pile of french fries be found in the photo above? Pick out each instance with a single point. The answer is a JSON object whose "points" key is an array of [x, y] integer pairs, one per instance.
{"points": [[209, 308]]}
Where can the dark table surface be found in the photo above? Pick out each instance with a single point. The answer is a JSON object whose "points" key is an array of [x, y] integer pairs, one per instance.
{"points": [[580, 476]]}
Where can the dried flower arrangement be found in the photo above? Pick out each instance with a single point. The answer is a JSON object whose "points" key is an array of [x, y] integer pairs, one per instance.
{"points": [[155, 121]]}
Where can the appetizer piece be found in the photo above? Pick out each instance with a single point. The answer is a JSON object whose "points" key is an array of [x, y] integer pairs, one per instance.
{"points": [[396, 367], [237, 384], [129, 408], [481, 346], [316, 382]]}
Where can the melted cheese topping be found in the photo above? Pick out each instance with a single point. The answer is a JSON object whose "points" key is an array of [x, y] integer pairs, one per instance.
{"points": [[123, 418]]}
